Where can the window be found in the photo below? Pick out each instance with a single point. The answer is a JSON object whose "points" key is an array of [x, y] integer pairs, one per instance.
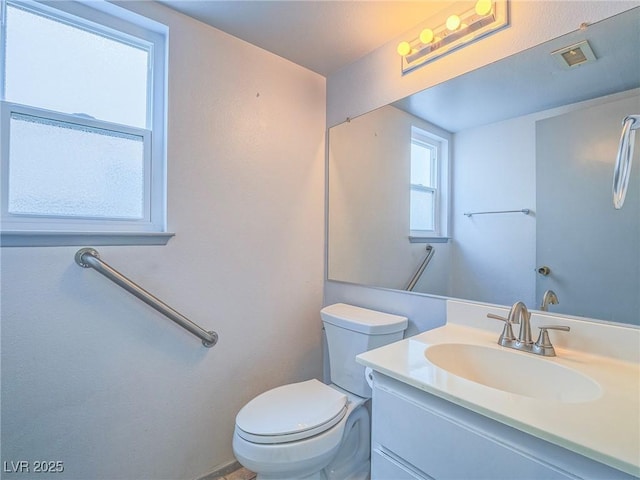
{"points": [[429, 186], [82, 124]]}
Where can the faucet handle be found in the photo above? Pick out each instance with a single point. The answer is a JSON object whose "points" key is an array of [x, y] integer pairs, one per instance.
{"points": [[504, 319], [543, 344], [507, 337]]}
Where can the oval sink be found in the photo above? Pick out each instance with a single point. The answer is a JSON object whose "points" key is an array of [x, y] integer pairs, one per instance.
{"points": [[514, 372]]}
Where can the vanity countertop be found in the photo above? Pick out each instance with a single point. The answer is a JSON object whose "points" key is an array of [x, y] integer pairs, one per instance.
{"points": [[605, 429]]}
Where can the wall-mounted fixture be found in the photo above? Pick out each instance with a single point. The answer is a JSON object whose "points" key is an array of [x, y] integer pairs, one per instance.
{"points": [[479, 19], [622, 170]]}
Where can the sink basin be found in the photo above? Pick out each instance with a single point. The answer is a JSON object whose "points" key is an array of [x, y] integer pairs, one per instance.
{"points": [[514, 372]]}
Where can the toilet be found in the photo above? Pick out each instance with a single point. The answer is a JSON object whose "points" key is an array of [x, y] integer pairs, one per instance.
{"points": [[310, 430]]}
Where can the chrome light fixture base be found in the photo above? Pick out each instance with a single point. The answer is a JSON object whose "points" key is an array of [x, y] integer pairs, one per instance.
{"points": [[470, 26]]}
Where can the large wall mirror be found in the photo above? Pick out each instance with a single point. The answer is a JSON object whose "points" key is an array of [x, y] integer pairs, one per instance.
{"points": [[526, 149]]}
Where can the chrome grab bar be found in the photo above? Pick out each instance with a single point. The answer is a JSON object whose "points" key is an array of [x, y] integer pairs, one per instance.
{"points": [[412, 283], [622, 170], [89, 258]]}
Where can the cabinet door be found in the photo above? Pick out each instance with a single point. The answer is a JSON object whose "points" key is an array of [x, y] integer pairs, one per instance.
{"points": [[386, 468], [445, 448]]}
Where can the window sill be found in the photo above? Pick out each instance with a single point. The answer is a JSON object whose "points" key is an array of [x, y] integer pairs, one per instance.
{"points": [[67, 239], [428, 239]]}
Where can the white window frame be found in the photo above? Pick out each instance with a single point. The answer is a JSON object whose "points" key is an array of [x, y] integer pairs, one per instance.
{"points": [[124, 26], [439, 140]]}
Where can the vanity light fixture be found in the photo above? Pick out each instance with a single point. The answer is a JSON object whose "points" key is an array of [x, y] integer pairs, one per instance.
{"points": [[481, 18]]}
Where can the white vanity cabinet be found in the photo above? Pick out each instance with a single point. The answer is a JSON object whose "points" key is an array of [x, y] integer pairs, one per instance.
{"points": [[417, 435]]}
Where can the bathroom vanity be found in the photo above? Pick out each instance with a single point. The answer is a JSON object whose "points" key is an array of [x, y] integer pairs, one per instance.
{"points": [[451, 403]]}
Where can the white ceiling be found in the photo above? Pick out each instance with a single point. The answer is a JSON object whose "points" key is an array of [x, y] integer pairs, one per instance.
{"points": [[321, 35]]}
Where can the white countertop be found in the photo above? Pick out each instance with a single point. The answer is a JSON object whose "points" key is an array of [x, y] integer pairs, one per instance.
{"points": [[606, 429]]}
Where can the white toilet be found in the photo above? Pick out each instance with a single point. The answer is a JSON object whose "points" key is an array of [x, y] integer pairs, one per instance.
{"points": [[310, 430]]}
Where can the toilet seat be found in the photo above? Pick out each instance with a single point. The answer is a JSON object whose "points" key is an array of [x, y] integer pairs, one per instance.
{"points": [[291, 412]]}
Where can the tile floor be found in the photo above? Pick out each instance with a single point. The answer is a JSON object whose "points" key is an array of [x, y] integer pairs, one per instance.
{"points": [[240, 474]]}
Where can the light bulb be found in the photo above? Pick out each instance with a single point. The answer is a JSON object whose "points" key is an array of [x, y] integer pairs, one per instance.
{"points": [[483, 7], [404, 48], [426, 36], [453, 22]]}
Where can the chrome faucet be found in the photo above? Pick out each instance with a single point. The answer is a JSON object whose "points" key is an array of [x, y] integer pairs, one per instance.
{"points": [[519, 310], [520, 314], [549, 298]]}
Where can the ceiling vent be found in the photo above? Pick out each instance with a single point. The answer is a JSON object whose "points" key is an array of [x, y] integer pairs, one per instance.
{"points": [[574, 55]]}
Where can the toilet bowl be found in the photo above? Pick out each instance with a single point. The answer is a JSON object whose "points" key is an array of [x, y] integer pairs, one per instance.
{"points": [[310, 430], [296, 431]]}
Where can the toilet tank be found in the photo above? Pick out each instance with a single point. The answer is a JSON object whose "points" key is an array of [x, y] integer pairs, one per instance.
{"points": [[351, 330]]}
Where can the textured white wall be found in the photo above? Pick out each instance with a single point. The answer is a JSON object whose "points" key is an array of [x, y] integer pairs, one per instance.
{"points": [[93, 377]]}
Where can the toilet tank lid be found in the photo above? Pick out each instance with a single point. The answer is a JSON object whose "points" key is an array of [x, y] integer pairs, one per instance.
{"points": [[363, 320]]}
